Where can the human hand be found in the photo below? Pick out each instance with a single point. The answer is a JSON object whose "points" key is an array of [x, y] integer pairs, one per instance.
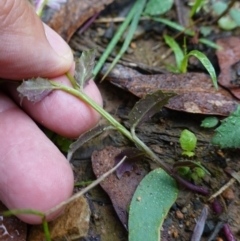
{"points": [[34, 174]]}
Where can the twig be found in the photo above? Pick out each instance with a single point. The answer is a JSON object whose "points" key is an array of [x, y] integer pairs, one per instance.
{"points": [[223, 188], [116, 20], [77, 195]]}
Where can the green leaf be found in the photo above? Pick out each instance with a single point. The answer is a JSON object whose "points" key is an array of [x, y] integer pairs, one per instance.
{"points": [[145, 108], [150, 204], [188, 141], [209, 122], [228, 133], [133, 26], [196, 7], [174, 25], [188, 153], [206, 63], [209, 43], [176, 49], [116, 38], [227, 23], [84, 67], [35, 89], [157, 7]]}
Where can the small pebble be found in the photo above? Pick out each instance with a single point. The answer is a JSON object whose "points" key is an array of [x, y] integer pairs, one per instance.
{"points": [[179, 214], [133, 45], [184, 210], [219, 239], [175, 234], [228, 194]]}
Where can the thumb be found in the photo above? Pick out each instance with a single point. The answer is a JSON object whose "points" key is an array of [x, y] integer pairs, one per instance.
{"points": [[28, 47]]}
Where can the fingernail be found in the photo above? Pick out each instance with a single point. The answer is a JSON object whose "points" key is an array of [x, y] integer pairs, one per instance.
{"points": [[58, 44]]}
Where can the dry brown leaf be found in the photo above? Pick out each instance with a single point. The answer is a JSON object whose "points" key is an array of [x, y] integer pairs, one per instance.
{"points": [[228, 59], [73, 14], [121, 190], [196, 93]]}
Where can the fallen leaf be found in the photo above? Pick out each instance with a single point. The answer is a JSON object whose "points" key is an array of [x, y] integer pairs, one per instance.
{"points": [[195, 92], [73, 14], [121, 190], [229, 62], [150, 205]]}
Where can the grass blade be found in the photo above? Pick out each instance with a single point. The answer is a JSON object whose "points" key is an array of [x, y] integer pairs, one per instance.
{"points": [[207, 64], [197, 4], [115, 40], [176, 49], [139, 5]]}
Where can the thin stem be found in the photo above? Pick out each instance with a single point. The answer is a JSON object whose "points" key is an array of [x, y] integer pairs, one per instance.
{"points": [[72, 80], [92, 185], [46, 229], [81, 95]]}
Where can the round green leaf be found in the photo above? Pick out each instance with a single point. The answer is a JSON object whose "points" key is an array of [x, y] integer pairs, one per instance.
{"points": [[188, 141], [157, 7], [150, 204], [209, 122]]}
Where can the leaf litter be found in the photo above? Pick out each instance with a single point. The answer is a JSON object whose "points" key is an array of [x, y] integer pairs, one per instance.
{"points": [[195, 92]]}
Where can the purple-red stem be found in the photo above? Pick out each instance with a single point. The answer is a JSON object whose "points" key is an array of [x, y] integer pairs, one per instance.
{"points": [[87, 24]]}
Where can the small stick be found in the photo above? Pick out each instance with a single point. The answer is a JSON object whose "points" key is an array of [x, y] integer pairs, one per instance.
{"points": [[77, 195], [223, 188]]}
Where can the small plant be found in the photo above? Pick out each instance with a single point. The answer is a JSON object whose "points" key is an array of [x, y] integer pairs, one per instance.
{"points": [[188, 142], [37, 89], [182, 59], [228, 133]]}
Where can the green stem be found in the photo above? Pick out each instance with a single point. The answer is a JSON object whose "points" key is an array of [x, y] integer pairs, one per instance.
{"points": [[81, 95], [131, 136], [72, 80], [46, 229]]}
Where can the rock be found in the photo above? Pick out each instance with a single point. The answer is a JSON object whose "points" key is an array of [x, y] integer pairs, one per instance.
{"points": [[179, 214], [72, 224], [11, 228]]}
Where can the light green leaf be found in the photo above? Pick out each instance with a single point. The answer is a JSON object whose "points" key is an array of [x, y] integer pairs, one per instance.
{"points": [[157, 7], [188, 141], [228, 133], [173, 25], [234, 13], [176, 49], [206, 30], [196, 7], [206, 63], [209, 122], [133, 26], [150, 205], [226, 23], [84, 67], [209, 43]]}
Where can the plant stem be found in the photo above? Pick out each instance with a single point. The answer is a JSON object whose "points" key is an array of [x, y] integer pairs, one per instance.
{"points": [[72, 80], [131, 136], [81, 95]]}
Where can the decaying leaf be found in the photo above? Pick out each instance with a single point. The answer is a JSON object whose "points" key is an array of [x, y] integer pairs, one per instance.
{"points": [[229, 62], [85, 137], [195, 92], [149, 105], [150, 204], [84, 67], [73, 14], [35, 89], [132, 155], [121, 190]]}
